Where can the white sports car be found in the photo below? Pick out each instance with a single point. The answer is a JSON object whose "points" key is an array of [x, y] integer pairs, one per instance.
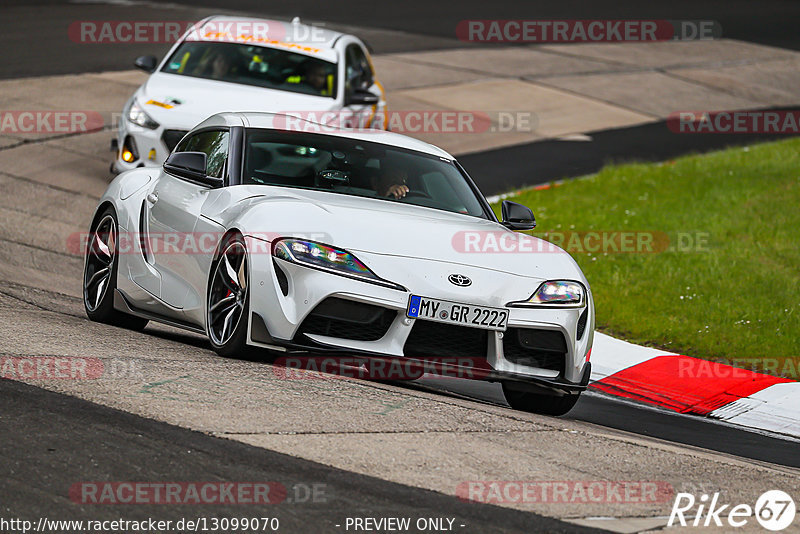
{"points": [[227, 64], [330, 241]]}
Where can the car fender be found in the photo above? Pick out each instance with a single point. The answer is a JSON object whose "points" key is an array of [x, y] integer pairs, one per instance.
{"points": [[126, 194]]}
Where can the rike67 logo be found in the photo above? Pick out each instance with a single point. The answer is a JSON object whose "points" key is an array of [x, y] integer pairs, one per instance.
{"points": [[774, 510]]}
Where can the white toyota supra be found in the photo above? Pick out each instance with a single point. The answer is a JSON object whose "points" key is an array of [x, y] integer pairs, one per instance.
{"points": [[328, 241], [225, 63]]}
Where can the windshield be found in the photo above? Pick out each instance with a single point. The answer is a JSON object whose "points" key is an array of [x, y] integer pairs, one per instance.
{"points": [[254, 65], [357, 168]]}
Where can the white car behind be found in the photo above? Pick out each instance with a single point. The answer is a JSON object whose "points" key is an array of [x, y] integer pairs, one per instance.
{"points": [[235, 64]]}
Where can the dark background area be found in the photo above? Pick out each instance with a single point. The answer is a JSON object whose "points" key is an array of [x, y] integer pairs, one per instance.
{"points": [[35, 40]]}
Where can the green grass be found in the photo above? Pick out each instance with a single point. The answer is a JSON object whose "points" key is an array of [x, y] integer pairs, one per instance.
{"points": [[736, 297]]}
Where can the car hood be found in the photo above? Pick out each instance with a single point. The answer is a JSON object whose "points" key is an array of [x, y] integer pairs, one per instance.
{"points": [[181, 102], [376, 230]]}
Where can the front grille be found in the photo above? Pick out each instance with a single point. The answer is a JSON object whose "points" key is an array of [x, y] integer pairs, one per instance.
{"points": [[346, 319], [172, 137], [545, 349], [438, 340]]}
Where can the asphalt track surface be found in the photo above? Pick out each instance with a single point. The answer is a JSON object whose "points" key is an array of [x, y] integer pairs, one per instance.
{"points": [[51, 453], [46, 435]]}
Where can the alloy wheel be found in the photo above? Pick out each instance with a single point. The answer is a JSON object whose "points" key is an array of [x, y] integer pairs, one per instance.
{"points": [[228, 293]]}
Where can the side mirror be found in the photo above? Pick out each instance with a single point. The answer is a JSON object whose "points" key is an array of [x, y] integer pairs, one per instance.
{"points": [[361, 97], [517, 217], [191, 166], [146, 63]]}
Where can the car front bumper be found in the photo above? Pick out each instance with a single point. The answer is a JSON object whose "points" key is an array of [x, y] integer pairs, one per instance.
{"points": [[280, 317]]}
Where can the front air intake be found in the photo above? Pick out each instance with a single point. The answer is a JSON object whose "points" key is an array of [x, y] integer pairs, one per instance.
{"points": [[533, 347], [347, 319]]}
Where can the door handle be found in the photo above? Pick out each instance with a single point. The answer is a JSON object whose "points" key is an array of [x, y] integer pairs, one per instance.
{"points": [[152, 198]]}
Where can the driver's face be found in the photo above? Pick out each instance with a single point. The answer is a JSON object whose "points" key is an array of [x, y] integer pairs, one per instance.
{"points": [[316, 78], [220, 66]]}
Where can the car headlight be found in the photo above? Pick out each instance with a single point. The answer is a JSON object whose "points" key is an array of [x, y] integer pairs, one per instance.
{"points": [[327, 258], [556, 293], [138, 117]]}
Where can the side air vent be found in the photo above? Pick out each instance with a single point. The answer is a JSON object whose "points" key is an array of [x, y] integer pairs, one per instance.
{"points": [[283, 281], [143, 242], [581, 328]]}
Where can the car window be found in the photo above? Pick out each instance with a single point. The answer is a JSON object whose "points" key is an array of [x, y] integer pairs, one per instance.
{"points": [[214, 144], [357, 68], [260, 66], [357, 168]]}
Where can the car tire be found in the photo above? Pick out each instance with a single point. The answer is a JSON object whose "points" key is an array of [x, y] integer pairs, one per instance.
{"points": [[228, 299], [100, 274], [539, 403]]}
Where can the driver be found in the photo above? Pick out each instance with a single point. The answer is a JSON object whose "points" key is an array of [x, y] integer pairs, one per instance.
{"points": [[217, 65], [315, 77], [392, 182]]}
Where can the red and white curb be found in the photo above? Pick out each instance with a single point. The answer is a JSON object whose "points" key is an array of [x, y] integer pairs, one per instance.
{"points": [[693, 386]]}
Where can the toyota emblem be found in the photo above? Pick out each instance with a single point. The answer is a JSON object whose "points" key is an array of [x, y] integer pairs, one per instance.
{"points": [[459, 280]]}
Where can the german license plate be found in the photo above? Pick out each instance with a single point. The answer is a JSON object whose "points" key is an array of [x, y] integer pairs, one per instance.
{"points": [[442, 311]]}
